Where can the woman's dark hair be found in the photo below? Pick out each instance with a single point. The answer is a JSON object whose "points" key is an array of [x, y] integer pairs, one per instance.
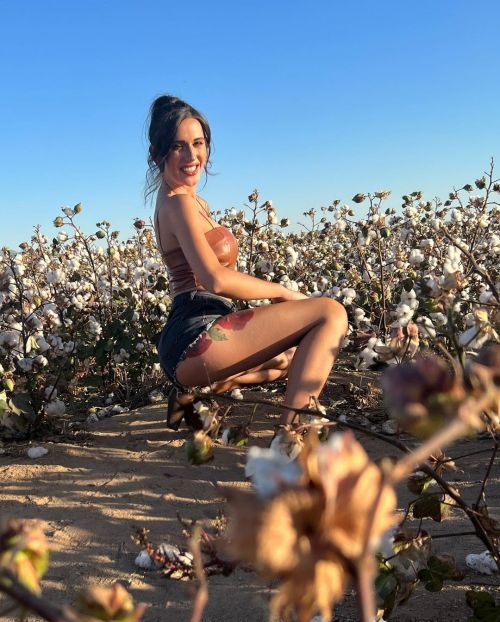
{"points": [[165, 115]]}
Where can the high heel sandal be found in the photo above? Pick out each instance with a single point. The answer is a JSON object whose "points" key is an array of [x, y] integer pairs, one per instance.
{"points": [[181, 406]]}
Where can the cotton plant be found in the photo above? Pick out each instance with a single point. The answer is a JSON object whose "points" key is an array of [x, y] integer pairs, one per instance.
{"points": [[90, 304], [59, 301]]}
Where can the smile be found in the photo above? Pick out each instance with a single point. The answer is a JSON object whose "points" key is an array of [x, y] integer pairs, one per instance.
{"points": [[192, 169]]}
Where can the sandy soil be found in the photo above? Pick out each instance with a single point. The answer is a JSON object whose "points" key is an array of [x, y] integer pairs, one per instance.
{"points": [[130, 471]]}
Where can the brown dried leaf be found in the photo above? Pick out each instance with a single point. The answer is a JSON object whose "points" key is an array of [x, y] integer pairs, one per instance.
{"points": [[108, 604]]}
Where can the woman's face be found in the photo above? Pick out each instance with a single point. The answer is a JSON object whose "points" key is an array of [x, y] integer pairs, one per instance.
{"points": [[187, 157]]}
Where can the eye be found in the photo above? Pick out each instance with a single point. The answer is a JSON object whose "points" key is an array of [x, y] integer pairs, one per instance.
{"points": [[199, 143], [176, 147]]}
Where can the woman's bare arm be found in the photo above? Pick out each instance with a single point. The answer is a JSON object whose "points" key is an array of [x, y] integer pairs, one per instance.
{"points": [[182, 219]]}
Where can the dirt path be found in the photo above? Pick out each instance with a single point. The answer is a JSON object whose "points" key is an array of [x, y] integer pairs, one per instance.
{"points": [[132, 472]]}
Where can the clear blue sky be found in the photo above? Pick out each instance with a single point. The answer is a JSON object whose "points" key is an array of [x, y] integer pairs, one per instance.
{"points": [[308, 101]]}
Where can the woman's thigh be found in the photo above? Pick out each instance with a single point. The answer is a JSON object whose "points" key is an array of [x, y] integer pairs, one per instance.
{"points": [[246, 339]]}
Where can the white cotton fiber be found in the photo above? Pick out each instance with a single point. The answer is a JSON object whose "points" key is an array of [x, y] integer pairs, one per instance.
{"points": [[37, 452], [144, 561], [483, 562]]}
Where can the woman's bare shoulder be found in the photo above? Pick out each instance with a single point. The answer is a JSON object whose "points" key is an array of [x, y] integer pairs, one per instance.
{"points": [[169, 207], [204, 203]]}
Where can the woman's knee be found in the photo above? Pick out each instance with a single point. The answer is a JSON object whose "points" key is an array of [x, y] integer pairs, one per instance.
{"points": [[334, 312]]}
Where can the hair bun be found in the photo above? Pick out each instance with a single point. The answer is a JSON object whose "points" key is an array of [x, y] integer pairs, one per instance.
{"points": [[165, 103]]}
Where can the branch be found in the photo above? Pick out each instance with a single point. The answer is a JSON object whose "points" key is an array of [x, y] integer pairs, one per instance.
{"points": [[11, 586], [486, 475], [201, 597], [364, 589]]}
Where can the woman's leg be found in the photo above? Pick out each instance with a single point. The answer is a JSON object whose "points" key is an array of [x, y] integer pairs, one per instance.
{"points": [[274, 369], [241, 341]]}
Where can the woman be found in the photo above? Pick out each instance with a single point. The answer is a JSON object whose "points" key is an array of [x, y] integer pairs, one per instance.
{"points": [[205, 341]]}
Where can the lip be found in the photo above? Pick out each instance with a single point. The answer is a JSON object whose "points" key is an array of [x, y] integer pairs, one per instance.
{"points": [[191, 173]]}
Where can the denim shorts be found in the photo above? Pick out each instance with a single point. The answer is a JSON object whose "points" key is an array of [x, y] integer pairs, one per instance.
{"points": [[190, 315]]}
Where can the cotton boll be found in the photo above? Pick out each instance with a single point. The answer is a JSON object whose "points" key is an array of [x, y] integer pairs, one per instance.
{"points": [[50, 391], [10, 339], [427, 243], [291, 285], [291, 256], [433, 286], [19, 269], [366, 358], [482, 563], [237, 394], [69, 347], [52, 318], [426, 327], [91, 419], [170, 551], [55, 408], [494, 244], [359, 315], [272, 219], [349, 295], [156, 396], [73, 264], [433, 262], [416, 257], [269, 469], [116, 409], [404, 313], [452, 262], [35, 322], [144, 561], [93, 326], [263, 266], [37, 452], [55, 276], [410, 299], [485, 296], [26, 364], [439, 319], [473, 338]]}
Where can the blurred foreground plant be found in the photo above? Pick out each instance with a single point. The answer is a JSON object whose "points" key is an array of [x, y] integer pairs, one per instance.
{"points": [[24, 557], [316, 523]]}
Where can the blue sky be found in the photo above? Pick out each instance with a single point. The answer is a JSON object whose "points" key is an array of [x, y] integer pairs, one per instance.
{"points": [[307, 101]]}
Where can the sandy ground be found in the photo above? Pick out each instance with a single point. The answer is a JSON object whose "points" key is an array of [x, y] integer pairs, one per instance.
{"points": [[130, 471]]}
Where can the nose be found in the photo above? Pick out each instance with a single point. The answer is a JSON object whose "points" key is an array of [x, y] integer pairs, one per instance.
{"points": [[190, 153]]}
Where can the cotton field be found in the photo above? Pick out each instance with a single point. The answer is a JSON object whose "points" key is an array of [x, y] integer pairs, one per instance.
{"points": [[79, 312]]}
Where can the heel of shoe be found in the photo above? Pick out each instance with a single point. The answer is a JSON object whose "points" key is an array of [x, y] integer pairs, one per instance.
{"points": [[181, 406], [175, 410]]}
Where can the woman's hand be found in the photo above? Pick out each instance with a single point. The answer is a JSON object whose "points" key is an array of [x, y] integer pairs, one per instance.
{"points": [[288, 295]]}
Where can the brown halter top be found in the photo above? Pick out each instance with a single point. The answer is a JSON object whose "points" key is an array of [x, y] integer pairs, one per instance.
{"points": [[180, 276]]}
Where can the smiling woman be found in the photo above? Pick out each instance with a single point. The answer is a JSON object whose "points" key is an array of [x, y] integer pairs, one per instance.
{"points": [[206, 341]]}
